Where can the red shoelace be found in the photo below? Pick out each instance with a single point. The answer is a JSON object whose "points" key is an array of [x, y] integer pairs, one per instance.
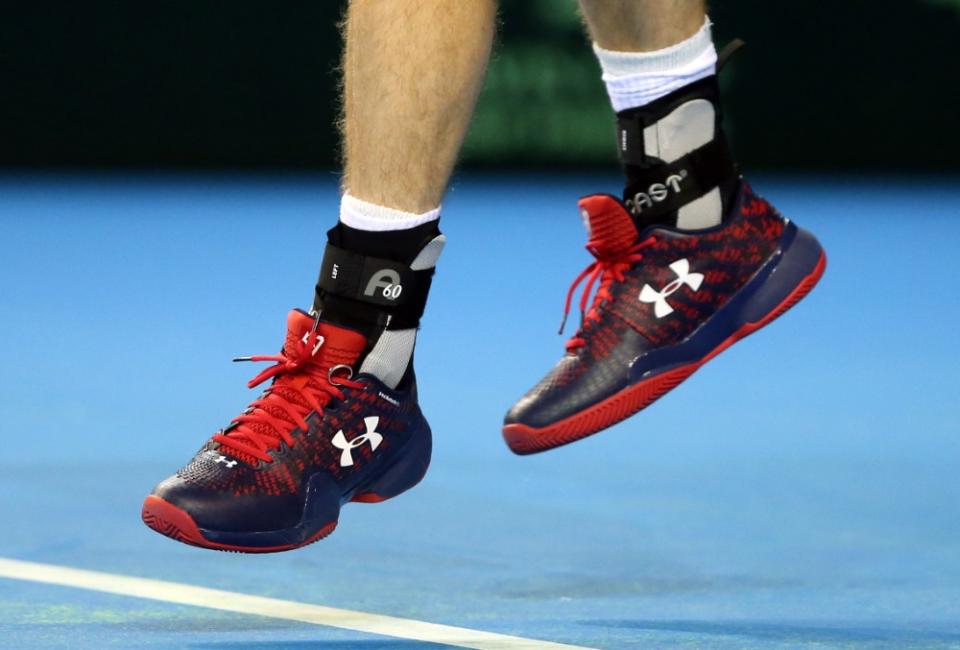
{"points": [[300, 386], [609, 267]]}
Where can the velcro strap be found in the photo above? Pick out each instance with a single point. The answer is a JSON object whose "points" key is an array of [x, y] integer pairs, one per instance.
{"points": [[633, 122], [367, 279], [666, 187]]}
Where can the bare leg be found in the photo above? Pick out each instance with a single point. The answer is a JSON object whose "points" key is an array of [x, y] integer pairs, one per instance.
{"points": [[641, 25], [412, 73]]}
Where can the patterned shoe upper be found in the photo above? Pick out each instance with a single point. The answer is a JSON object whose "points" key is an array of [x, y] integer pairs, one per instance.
{"points": [[655, 288], [313, 429]]}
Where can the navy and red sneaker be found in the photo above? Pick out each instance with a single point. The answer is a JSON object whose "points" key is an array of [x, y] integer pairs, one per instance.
{"points": [[319, 437], [669, 300], [339, 422]]}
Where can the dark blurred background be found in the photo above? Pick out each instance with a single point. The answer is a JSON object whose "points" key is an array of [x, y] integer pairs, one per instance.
{"points": [[850, 85]]}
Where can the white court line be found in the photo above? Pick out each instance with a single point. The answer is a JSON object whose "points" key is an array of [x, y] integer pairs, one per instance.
{"points": [[176, 592]]}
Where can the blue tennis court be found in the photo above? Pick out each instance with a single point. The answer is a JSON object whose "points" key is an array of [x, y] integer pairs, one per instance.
{"points": [[802, 490]]}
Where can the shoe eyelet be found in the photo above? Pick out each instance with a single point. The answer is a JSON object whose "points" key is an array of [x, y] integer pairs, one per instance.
{"points": [[334, 369]]}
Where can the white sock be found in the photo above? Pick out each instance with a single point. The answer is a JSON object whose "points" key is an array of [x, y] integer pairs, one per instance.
{"points": [[637, 78], [370, 216]]}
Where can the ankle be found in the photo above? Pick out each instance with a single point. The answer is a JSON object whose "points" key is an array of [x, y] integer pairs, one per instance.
{"points": [[670, 140], [376, 279], [678, 167]]}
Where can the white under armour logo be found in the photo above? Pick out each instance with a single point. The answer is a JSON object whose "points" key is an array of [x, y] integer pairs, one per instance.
{"points": [[223, 459], [340, 441], [659, 298]]}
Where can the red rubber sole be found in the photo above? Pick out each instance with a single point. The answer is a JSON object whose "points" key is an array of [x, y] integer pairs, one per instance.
{"points": [[369, 497], [523, 439], [374, 497], [167, 519]]}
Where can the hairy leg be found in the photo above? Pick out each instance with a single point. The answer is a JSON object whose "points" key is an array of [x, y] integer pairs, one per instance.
{"points": [[641, 25], [411, 75]]}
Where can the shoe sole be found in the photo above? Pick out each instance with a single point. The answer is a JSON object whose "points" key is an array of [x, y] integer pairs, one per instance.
{"points": [[167, 519], [176, 523], [523, 439]]}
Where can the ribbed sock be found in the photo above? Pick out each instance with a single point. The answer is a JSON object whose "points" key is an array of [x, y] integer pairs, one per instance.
{"points": [[637, 78]]}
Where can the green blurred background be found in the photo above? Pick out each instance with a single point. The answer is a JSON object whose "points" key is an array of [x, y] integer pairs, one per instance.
{"points": [[848, 85]]}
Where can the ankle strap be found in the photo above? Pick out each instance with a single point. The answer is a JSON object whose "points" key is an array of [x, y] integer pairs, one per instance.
{"points": [[666, 187], [632, 122], [392, 287]]}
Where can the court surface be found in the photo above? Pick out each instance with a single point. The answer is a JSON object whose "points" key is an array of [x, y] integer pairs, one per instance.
{"points": [[802, 490]]}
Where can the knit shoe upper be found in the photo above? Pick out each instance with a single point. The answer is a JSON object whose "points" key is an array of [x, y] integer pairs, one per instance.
{"points": [[316, 438], [661, 292]]}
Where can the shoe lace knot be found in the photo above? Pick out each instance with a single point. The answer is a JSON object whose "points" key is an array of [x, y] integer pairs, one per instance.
{"points": [[301, 384], [609, 266]]}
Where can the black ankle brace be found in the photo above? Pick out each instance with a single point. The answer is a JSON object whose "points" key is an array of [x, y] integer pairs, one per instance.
{"points": [[656, 189], [398, 245], [378, 291], [374, 292]]}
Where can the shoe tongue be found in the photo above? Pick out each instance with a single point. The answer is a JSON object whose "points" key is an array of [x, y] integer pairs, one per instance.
{"points": [[339, 345], [610, 227]]}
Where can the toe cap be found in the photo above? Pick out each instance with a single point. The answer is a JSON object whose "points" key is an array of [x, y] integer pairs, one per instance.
{"points": [[573, 385], [219, 510]]}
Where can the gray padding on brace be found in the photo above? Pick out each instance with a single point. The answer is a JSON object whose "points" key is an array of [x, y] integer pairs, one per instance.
{"points": [[390, 356], [701, 213], [388, 359], [428, 256], [687, 127]]}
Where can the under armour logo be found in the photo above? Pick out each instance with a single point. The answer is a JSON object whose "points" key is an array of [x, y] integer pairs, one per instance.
{"points": [[223, 459], [340, 441], [661, 307]]}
